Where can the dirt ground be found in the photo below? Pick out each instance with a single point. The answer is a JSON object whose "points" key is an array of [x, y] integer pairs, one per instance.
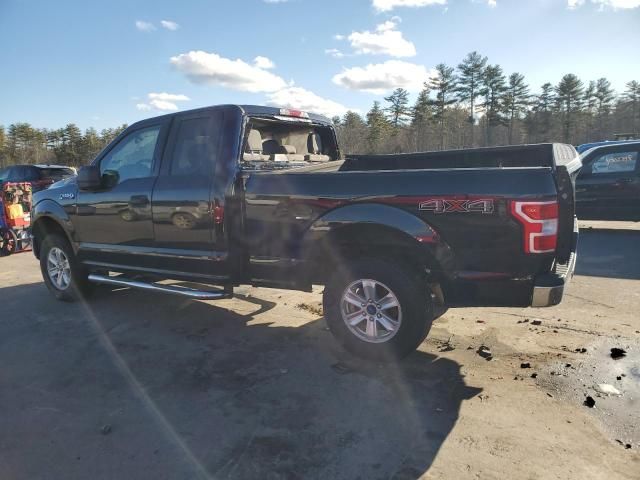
{"points": [[140, 385]]}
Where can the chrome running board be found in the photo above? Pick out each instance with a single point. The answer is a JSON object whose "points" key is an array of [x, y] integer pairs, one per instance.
{"points": [[156, 287]]}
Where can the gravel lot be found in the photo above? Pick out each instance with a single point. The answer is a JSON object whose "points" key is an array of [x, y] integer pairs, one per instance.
{"points": [[138, 385]]}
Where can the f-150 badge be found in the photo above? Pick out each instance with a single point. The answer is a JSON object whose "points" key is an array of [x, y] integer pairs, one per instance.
{"points": [[443, 205]]}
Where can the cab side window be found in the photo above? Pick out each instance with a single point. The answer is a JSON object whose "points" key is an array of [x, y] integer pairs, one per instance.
{"points": [[132, 157], [617, 162], [196, 144]]}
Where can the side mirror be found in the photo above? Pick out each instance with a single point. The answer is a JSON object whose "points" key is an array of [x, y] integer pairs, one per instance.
{"points": [[89, 178]]}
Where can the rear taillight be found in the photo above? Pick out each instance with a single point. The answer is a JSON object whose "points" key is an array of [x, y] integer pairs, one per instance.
{"points": [[218, 215], [540, 223]]}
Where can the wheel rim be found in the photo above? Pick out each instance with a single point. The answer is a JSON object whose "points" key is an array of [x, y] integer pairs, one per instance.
{"points": [[182, 221], [371, 311], [58, 268]]}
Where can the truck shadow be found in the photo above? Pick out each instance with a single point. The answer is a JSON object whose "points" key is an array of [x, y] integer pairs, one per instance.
{"points": [[243, 396], [609, 253]]}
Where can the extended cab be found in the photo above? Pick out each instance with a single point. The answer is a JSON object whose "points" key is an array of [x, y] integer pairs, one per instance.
{"points": [[210, 197]]}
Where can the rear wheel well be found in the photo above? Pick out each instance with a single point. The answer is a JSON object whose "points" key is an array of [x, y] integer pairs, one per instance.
{"points": [[43, 227], [356, 241]]}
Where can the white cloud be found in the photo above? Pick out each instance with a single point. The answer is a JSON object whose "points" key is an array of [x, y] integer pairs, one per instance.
{"points": [[169, 25], [615, 4], [145, 26], [210, 68], [334, 52], [298, 97], [338, 37], [387, 5], [386, 40], [162, 101], [381, 77], [275, 1], [263, 62], [492, 3], [618, 4]]}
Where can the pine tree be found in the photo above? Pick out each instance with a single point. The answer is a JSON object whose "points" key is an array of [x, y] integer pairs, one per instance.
{"points": [[604, 98], [444, 84], [632, 97], [90, 145], [516, 100], [542, 114], [469, 84], [421, 119], [378, 128], [493, 89], [398, 109], [352, 133], [422, 111], [569, 95]]}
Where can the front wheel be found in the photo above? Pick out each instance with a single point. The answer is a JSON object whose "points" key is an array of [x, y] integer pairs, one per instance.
{"points": [[377, 310], [63, 275]]}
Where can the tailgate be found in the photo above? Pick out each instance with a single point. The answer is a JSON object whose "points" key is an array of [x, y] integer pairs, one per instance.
{"points": [[567, 166]]}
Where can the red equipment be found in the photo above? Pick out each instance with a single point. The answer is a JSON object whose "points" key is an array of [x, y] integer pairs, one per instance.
{"points": [[15, 218]]}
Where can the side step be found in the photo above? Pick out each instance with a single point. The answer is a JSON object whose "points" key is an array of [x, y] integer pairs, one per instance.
{"points": [[156, 287]]}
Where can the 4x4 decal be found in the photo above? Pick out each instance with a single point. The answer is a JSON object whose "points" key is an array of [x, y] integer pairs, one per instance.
{"points": [[443, 205]]}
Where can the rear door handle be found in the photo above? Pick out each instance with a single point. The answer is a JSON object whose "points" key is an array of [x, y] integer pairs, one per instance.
{"points": [[139, 200]]}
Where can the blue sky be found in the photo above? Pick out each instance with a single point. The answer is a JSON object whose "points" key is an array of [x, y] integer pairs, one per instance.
{"points": [[106, 63]]}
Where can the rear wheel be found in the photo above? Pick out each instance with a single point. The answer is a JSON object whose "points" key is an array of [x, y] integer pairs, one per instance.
{"points": [[64, 276], [377, 310]]}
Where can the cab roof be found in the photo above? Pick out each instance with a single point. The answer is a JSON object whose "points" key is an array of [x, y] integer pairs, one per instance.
{"points": [[253, 111]]}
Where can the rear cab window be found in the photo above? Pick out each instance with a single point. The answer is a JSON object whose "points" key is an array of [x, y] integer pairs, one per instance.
{"points": [[273, 144]]}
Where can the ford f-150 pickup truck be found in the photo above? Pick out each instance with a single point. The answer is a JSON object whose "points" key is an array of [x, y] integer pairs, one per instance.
{"points": [[210, 197]]}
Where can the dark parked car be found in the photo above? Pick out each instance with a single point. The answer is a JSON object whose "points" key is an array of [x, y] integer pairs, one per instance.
{"points": [[608, 187], [40, 176], [606, 143], [394, 238]]}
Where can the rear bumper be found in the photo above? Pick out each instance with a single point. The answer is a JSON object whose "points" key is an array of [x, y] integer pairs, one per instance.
{"points": [[548, 289]]}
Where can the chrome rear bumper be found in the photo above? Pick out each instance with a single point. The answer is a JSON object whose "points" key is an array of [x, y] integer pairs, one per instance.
{"points": [[549, 288]]}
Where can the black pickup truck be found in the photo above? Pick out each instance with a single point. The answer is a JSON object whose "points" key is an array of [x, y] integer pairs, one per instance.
{"points": [[209, 197]]}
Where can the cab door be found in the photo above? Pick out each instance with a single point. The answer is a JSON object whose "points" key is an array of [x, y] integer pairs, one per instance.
{"points": [[609, 184], [112, 225], [186, 201]]}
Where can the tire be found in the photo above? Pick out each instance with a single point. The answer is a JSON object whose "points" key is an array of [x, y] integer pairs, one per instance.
{"points": [[8, 242], [69, 284], [398, 329]]}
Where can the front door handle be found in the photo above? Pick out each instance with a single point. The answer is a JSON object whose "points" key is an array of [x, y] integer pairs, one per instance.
{"points": [[139, 201]]}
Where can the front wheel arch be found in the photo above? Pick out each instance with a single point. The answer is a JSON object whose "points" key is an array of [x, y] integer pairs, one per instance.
{"points": [[43, 227]]}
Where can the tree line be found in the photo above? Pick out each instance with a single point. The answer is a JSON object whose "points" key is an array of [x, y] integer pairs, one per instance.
{"points": [[476, 104], [20, 143]]}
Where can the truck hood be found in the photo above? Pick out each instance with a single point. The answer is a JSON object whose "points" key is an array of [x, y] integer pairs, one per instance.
{"points": [[63, 192]]}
